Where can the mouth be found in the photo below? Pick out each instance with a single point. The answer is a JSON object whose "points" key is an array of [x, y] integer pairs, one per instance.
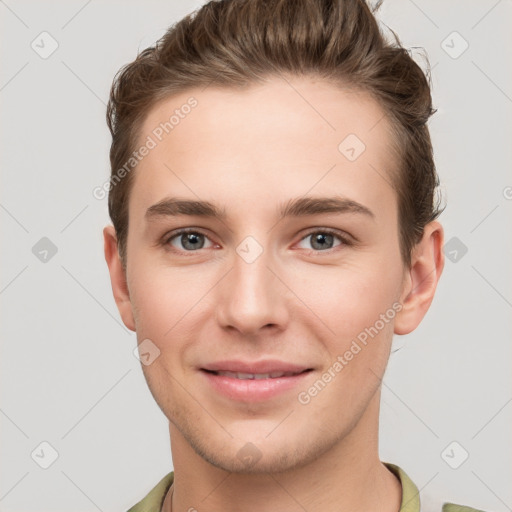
{"points": [[254, 382], [256, 376]]}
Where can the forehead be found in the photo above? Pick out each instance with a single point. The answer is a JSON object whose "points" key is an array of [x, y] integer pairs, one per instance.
{"points": [[284, 137]]}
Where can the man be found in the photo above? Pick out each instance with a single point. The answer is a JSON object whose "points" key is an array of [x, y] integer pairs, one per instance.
{"points": [[272, 196]]}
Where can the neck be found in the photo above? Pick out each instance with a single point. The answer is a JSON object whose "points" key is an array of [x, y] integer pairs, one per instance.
{"points": [[349, 476]]}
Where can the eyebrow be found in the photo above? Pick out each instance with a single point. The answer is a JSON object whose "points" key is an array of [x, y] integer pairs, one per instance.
{"points": [[302, 206]]}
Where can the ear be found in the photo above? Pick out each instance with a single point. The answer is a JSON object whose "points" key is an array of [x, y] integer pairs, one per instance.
{"points": [[420, 280], [118, 277]]}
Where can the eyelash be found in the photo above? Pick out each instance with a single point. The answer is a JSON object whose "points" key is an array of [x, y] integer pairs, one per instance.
{"points": [[343, 239]]}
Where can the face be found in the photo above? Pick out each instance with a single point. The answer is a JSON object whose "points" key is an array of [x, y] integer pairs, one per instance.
{"points": [[278, 297]]}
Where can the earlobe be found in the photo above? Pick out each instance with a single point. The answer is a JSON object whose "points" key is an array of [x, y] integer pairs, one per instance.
{"points": [[420, 283], [118, 277]]}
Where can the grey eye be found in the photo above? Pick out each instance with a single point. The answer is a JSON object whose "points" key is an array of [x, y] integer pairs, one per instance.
{"points": [[321, 240], [188, 241]]}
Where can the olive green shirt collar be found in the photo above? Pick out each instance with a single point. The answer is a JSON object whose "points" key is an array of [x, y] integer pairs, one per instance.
{"points": [[410, 495]]}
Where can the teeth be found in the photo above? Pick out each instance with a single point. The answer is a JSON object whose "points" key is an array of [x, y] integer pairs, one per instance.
{"points": [[254, 376], [244, 376]]}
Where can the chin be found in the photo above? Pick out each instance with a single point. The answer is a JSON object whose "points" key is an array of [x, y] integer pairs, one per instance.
{"points": [[269, 463], [267, 456]]}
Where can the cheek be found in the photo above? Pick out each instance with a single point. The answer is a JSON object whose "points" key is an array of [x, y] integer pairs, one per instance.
{"points": [[164, 299], [350, 297], [359, 307]]}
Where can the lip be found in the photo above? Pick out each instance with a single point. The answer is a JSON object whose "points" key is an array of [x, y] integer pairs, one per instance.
{"points": [[254, 390], [264, 366]]}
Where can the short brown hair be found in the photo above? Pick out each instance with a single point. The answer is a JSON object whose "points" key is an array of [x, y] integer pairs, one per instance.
{"points": [[236, 43]]}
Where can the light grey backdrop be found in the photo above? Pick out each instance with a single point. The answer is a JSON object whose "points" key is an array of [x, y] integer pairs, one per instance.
{"points": [[69, 378]]}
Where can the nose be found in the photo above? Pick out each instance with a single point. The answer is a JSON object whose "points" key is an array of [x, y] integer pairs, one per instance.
{"points": [[252, 297]]}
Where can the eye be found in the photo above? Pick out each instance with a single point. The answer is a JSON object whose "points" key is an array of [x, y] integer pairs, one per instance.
{"points": [[188, 240], [323, 240]]}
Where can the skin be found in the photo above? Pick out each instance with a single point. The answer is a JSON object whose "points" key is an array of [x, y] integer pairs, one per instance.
{"points": [[250, 151]]}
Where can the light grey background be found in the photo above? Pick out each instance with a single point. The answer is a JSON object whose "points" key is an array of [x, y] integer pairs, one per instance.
{"points": [[68, 373]]}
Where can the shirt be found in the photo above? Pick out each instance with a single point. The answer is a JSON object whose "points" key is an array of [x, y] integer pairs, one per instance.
{"points": [[410, 495]]}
